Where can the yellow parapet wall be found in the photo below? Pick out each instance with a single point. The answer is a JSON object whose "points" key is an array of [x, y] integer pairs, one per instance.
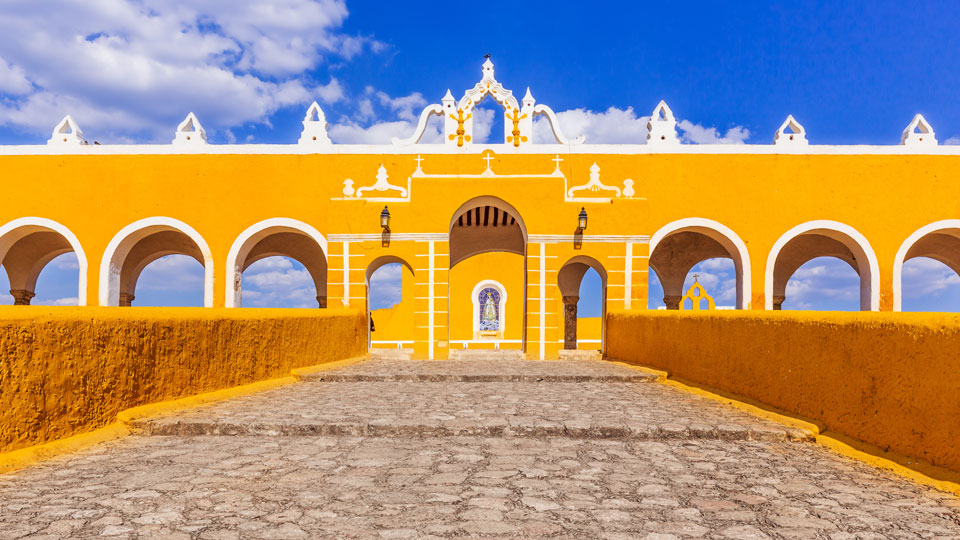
{"points": [[889, 380], [65, 370]]}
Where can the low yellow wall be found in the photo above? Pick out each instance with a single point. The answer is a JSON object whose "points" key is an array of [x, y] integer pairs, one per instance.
{"points": [[68, 370], [891, 380]]}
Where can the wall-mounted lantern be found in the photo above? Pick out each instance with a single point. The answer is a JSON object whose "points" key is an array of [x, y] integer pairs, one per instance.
{"points": [[385, 219], [582, 220]]}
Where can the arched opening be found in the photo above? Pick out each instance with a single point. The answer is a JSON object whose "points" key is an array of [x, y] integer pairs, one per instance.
{"points": [[718, 276], [821, 239], [390, 303], [926, 271], [288, 255], [141, 243], [27, 246], [487, 257], [583, 288], [679, 248]]}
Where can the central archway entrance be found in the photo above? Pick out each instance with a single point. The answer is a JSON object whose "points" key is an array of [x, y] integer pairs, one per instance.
{"points": [[487, 291]]}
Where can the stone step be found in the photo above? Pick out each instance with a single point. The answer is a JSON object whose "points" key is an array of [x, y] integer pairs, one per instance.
{"points": [[393, 429], [390, 354], [580, 355], [486, 354]]}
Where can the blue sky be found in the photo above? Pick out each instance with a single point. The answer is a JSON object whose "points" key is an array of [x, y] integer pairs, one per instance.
{"points": [[129, 71]]}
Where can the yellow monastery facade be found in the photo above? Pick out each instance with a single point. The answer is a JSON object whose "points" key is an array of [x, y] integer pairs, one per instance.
{"points": [[494, 238]]}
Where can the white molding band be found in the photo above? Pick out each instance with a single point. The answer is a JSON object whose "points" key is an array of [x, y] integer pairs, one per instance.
{"points": [[905, 247], [431, 272], [427, 149], [726, 238], [123, 241], [398, 237], [248, 239], [869, 288], [543, 301], [16, 229], [598, 238]]}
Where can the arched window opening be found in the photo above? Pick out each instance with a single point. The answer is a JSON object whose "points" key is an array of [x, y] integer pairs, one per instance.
{"points": [[582, 282], [278, 282], [31, 247], [930, 285], [823, 284], [171, 280], [391, 304]]}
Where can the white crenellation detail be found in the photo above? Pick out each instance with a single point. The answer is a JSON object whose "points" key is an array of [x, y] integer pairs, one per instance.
{"points": [[429, 111], [594, 184], [662, 126], [190, 132], [797, 136], [315, 127], [67, 133], [381, 184], [918, 133]]}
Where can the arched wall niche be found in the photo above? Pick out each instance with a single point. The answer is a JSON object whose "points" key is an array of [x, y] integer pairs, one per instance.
{"points": [[26, 246], [680, 245], [143, 242], [821, 238], [277, 237]]}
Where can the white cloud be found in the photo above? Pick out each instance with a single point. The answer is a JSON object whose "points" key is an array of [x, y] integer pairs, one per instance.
{"points": [[134, 68], [624, 126], [698, 134], [70, 301], [823, 283], [386, 286], [952, 140], [278, 282], [924, 276], [177, 273]]}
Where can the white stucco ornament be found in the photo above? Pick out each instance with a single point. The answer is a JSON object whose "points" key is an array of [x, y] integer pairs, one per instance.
{"points": [[67, 133], [315, 127], [791, 133], [918, 133], [190, 132], [662, 126]]}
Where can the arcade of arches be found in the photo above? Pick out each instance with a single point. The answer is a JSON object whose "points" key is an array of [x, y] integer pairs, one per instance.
{"points": [[490, 239]]}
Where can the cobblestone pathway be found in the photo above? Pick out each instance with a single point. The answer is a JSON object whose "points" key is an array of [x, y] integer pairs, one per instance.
{"points": [[553, 450]]}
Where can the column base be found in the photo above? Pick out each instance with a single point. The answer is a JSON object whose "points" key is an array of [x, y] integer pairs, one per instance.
{"points": [[672, 302], [21, 297]]}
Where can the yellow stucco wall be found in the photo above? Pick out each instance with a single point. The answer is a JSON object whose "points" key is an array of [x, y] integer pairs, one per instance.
{"points": [[504, 268], [890, 380], [69, 370]]}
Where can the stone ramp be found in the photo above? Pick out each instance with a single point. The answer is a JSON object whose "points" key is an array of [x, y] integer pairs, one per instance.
{"points": [[394, 398]]}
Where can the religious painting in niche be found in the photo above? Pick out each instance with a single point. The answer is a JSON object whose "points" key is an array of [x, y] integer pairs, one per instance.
{"points": [[489, 305]]}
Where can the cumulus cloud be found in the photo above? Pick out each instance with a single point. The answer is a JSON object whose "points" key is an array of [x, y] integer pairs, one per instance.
{"points": [[623, 126], [923, 276], [103, 60], [173, 273], [386, 286], [823, 283], [278, 282], [952, 140]]}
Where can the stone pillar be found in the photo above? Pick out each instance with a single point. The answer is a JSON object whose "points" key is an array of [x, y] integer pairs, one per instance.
{"points": [[21, 297], [672, 302], [322, 301], [778, 301], [570, 322], [126, 299]]}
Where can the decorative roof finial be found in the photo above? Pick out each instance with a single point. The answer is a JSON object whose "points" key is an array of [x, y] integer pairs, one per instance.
{"points": [[487, 68]]}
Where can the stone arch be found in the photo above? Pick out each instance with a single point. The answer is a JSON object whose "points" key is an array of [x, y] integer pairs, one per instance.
{"points": [[939, 241], [143, 242], [485, 224], [569, 279], [680, 245], [277, 237], [822, 238], [26, 246]]}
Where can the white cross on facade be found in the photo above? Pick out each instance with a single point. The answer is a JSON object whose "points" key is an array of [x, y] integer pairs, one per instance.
{"points": [[488, 158], [557, 160], [418, 160]]}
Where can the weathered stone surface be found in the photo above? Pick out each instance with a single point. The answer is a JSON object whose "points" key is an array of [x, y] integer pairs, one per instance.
{"points": [[520, 486]]}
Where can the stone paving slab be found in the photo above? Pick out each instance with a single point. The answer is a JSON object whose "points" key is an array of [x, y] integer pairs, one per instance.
{"points": [[482, 370], [428, 488], [548, 409]]}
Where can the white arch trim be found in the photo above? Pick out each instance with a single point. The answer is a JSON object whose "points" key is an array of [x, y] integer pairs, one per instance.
{"points": [[483, 284], [869, 294], [905, 247], [14, 230], [123, 241], [726, 237], [248, 239]]}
